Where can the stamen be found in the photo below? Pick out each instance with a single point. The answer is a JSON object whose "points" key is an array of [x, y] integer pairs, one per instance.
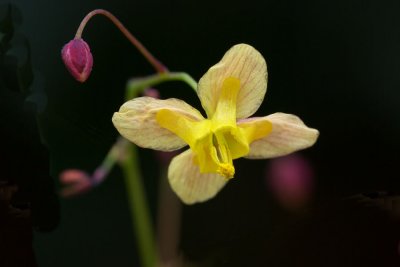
{"points": [[221, 155]]}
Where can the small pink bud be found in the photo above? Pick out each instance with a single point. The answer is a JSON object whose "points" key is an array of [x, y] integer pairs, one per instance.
{"points": [[76, 182], [154, 93], [78, 59]]}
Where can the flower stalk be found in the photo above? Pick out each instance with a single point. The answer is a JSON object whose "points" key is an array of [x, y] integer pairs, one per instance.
{"points": [[142, 225], [158, 66], [78, 60], [136, 86]]}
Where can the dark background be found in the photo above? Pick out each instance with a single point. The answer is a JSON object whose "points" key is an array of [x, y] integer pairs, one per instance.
{"points": [[335, 64]]}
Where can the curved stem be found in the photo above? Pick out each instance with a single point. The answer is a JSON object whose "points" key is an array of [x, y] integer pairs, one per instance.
{"points": [[137, 86], [125, 154], [114, 154], [133, 89], [158, 66]]}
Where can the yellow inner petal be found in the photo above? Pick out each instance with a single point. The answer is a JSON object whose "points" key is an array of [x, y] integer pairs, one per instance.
{"points": [[216, 141], [256, 129], [225, 112]]}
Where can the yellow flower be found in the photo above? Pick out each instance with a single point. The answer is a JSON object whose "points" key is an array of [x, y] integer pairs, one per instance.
{"points": [[230, 92]]}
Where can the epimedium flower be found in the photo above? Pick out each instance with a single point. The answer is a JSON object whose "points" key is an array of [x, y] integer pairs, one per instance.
{"points": [[230, 92]]}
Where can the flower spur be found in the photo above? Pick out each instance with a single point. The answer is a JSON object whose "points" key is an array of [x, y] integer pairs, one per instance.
{"points": [[230, 92]]}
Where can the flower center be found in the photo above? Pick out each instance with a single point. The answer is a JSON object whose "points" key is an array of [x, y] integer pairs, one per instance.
{"points": [[216, 141], [221, 155]]}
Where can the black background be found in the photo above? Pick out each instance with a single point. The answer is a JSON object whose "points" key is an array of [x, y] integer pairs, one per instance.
{"points": [[336, 64]]}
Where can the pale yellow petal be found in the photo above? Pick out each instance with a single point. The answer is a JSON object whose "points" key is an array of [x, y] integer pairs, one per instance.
{"points": [[189, 184], [245, 63], [288, 135], [136, 121]]}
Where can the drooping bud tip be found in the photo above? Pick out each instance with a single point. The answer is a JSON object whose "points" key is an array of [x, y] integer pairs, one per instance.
{"points": [[76, 182], [78, 59]]}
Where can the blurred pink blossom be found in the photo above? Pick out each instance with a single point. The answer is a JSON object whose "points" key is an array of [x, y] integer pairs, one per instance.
{"points": [[76, 182], [290, 179]]}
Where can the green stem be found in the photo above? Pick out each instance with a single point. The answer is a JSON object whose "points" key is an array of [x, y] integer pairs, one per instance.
{"points": [[126, 154], [139, 208], [113, 155], [136, 86]]}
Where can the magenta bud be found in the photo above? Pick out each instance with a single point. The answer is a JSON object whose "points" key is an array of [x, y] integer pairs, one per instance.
{"points": [[78, 59]]}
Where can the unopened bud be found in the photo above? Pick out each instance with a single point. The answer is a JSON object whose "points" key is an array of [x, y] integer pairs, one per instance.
{"points": [[154, 93], [76, 182], [78, 59]]}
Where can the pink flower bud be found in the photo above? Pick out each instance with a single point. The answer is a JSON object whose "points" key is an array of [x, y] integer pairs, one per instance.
{"points": [[78, 59], [154, 93], [76, 182]]}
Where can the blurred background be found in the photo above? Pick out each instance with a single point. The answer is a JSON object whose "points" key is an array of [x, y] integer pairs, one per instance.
{"points": [[335, 64]]}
